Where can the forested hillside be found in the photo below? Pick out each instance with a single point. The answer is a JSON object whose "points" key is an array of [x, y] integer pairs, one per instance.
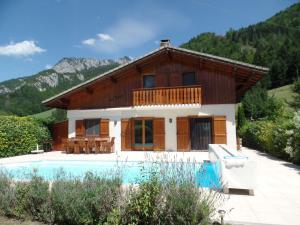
{"points": [[274, 43], [23, 96]]}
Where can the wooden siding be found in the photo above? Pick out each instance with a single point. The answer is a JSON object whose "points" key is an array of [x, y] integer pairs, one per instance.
{"points": [[163, 96], [104, 127], [183, 133], [80, 128], [126, 133], [217, 84], [159, 134], [219, 130], [59, 132]]}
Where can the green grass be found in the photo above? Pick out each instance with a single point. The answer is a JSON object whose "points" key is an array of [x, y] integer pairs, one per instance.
{"points": [[284, 94], [44, 115]]}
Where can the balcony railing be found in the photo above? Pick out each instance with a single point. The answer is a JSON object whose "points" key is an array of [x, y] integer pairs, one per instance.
{"points": [[167, 96]]}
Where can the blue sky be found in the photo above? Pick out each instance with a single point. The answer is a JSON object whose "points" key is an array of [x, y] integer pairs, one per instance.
{"points": [[35, 34]]}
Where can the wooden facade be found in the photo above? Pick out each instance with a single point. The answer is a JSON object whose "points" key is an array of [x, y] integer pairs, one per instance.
{"points": [[215, 81], [80, 128], [59, 132], [218, 131], [221, 83]]}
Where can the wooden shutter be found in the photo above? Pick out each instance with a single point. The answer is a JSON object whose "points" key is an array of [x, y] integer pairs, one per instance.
{"points": [[104, 128], [159, 134], [126, 131], [183, 133], [80, 129], [219, 130]]}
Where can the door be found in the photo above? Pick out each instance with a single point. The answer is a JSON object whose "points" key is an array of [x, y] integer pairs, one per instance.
{"points": [[143, 134], [183, 134], [201, 133]]}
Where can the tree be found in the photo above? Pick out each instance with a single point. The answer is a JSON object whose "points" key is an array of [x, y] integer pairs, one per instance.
{"points": [[257, 104], [296, 100], [241, 118]]}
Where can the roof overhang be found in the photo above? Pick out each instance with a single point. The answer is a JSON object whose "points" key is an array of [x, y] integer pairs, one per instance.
{"points": [[244, 82]]}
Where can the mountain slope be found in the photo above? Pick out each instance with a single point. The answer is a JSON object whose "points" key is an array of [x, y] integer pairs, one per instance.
{"points": [[23, 96], [273, 43]]}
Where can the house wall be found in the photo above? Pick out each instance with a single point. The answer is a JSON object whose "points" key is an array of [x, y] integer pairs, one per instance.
{"points": [[218, 84], [168, 112]]}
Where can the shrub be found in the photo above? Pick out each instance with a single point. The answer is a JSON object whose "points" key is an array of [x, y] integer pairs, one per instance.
{"points": [[161, 198], [143, 206], [293, 139], [19, 135], [268, 136], [87, 201], [7, 195], [169, 196], [184, 204]]}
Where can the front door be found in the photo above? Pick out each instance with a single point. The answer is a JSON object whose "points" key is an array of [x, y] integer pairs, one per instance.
{"points": [[200, 132], [143, 134]]}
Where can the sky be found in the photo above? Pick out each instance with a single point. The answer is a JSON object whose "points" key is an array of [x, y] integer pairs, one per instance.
{"points": [[36, 34]]}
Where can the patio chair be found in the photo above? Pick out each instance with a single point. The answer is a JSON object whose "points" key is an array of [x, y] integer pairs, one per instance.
{"points": [[90, 145], [98, 145], [108, 146], [65, 144], [82, 145], [70, 146]]}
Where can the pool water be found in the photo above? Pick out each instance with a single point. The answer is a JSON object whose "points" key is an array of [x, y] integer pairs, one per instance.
{"points": [[132, 172]]}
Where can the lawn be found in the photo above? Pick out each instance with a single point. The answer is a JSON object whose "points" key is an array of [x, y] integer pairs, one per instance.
{"points": [[284, 93]]}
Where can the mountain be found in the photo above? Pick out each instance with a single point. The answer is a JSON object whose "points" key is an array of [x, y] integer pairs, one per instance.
{"points": [[23, 96], [274, 43]]}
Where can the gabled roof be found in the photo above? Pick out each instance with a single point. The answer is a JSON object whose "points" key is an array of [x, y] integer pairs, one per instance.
{"points": [[236, 63]]}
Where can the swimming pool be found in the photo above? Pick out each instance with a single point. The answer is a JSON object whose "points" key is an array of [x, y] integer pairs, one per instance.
{"points": [[131, 172]]}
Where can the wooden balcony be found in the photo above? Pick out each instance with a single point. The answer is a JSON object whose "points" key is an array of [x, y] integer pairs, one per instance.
{"points": [[167, 96]]}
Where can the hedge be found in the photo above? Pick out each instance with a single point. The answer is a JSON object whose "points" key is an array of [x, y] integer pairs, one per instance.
{"points": [[19, 135], [280, 138], [102, 199]]}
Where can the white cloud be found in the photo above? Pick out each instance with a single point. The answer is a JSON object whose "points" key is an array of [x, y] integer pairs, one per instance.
{"points": [[48, 66], [126, 33], [24, 48], [90, 41], [105, 37]]}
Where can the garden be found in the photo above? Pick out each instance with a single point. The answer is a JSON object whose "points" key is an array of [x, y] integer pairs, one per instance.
{"points": [[266, 124], [168, 196]]}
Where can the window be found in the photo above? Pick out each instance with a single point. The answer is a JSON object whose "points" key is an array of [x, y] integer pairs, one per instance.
{"points": [[143, 134], [92, 127], [148, 81], [188, 79]]}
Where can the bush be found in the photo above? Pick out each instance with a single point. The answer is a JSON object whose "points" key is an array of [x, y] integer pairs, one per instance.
{"points": [[161, 198], [19, 135], [7, 195], [268, 136], [143, 206], [293, 139], [87, 201]]}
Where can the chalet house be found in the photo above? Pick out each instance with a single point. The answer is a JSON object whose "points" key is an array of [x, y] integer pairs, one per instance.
{"points": [[171, 99]]}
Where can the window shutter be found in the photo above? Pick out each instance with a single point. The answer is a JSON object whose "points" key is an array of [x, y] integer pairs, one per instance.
{"points": [[80, 129], [183, 133], [219, 130], [159, 134], [126, 130], [104, 128]]}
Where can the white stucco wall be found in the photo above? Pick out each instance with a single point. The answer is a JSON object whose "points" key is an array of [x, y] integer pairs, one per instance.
{"points": [[168, 112]]}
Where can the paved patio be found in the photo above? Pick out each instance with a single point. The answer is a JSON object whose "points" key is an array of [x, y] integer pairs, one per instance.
{"points": [[276, 199]]}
